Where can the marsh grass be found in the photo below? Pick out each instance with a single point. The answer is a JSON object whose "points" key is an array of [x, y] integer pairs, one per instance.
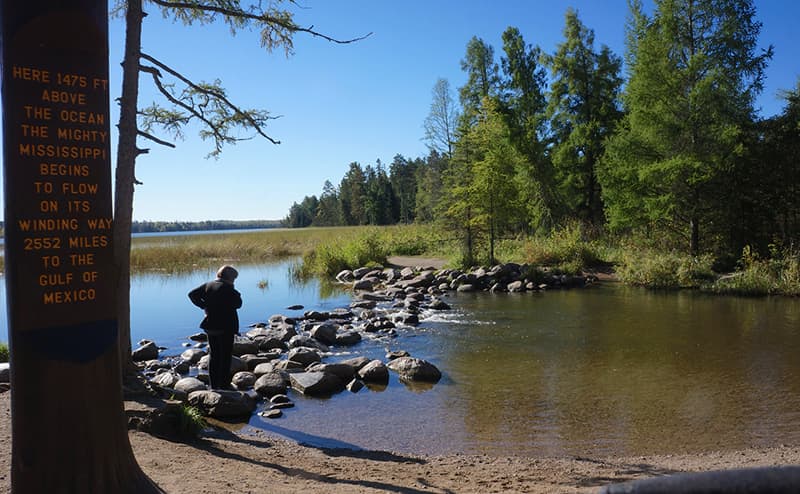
{"points": [[371, 246], [182, 253]]}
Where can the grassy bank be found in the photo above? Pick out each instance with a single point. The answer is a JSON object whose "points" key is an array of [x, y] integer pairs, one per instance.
{"points": [[185, 252], [571, 250]]}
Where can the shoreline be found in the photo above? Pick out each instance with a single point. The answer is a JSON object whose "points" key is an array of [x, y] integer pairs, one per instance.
{"points": [[223, 462]]}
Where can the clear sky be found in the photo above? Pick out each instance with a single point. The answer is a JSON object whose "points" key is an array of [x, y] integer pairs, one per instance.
{"points": [[359, 102]]}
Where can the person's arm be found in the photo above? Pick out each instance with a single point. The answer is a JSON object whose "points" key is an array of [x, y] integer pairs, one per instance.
{"points": [[237, 299], [197, 296]]}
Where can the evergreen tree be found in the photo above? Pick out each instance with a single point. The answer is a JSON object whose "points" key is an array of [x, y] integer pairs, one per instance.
{"points": [[404, 184], [329, 210], [353, 195], [493, 189], [523, 100], [302, 215], [483, 80], [696, 72], [379, 195], [583, 112], [429, 188]]}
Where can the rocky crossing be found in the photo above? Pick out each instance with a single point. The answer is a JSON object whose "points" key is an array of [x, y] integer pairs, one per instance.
{"points": [[292, 352]]}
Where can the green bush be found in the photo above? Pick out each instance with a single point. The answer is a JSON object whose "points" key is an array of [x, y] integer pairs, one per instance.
{"points": [[190, 422], [665, 269], [3, 352], [778, 275], [328, 259], [568, 250]]}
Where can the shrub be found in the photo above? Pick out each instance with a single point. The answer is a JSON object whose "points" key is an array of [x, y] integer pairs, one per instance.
{"points": [[778, 275], [190, 422], [3, 352], [568, 250], [665, 269]]}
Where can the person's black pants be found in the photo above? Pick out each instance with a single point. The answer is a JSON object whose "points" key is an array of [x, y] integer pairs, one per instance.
{"points": [[219, 368]]}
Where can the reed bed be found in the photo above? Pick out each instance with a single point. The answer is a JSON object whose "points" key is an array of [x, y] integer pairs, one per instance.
{"points": [[180, 253]]}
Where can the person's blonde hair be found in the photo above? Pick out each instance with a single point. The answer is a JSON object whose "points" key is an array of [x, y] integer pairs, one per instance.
{"points": [[227, 273]]}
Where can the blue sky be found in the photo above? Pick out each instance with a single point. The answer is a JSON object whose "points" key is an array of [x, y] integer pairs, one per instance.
{"points": [[359, 102]]}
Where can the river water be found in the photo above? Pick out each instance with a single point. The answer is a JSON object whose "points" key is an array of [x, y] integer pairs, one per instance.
{"points": [[603, 370]]}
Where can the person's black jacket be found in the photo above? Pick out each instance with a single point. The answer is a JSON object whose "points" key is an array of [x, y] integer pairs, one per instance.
{"points": [[220, 301]]}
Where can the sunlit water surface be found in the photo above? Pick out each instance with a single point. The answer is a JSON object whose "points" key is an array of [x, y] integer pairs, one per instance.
{"points": [[604, 370]]}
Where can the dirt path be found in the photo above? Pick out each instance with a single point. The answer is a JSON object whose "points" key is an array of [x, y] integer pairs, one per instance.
{"points": [[224, 462], [417, 261]]}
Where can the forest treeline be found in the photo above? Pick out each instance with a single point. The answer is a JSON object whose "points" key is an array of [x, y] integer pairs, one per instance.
{"points": [[667, 147], [188, 226]]}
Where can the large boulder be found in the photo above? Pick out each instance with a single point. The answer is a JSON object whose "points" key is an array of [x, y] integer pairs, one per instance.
{"points": [[342, 371], [243, 346], [189, 385], [304, 356], [147, 351], [237, 365], [414, 369], [374, 372], [271, 384], [223, 404], [326, 333], [252, 361], [366, 284], [316, 383], [348, 338], [307, 341], [166, 379], [345, 276], [356, 362], [264, 368], [193, 355], [243, 380], [5, 372]]}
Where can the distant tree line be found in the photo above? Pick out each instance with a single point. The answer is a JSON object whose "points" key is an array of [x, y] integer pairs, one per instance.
{"points": [[672, 148], [187, 226]]}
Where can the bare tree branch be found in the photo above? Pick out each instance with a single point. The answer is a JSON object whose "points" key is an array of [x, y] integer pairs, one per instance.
{"points": [[263, 18], [155, 139]]}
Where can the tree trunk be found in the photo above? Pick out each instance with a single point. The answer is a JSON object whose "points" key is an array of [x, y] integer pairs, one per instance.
{"points": [[71, 436], [126, 178], [69, 433], [694, 241]]}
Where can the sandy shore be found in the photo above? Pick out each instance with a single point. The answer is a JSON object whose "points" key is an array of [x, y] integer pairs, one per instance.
{"points": [[223, 462]]}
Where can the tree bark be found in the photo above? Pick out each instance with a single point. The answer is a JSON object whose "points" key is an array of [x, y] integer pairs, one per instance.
{"points": [[69, 431], [694, 241], [126, 177]]}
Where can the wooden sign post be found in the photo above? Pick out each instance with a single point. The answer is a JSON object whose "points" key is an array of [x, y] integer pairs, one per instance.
{"points": [[68, 426]]}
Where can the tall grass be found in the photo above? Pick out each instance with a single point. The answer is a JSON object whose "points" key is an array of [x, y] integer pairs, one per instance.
{"points": [[371, 246], [181, 253], [568, 250], [777, 275], [664, 270]]}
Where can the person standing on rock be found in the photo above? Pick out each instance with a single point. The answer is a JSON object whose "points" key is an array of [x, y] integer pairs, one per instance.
{"points": [[219, 299]]}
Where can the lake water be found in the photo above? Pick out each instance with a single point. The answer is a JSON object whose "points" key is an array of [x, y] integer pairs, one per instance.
{"points": [[604, 370]]}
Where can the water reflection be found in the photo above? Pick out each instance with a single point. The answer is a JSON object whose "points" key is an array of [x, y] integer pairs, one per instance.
{"points": [[628, 371]]}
